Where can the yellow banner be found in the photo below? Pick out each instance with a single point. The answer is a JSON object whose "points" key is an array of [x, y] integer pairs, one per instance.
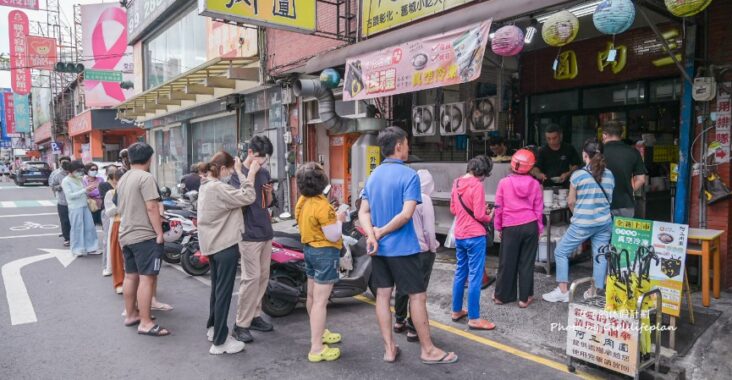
{"points": [[380, 15], [295, 15]]}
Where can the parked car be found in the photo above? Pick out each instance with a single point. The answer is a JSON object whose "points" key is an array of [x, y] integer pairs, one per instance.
{"points": [[32, 171]]}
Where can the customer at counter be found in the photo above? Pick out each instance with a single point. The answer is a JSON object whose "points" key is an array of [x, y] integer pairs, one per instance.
{"points": [[499, 151], [555, 160], [626, 164]]}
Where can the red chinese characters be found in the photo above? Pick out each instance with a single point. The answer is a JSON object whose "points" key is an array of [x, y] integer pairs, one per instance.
{"points": [[20, 74]]}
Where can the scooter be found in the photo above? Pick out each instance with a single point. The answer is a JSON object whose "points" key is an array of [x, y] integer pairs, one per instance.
{"points": [[192, 260], [177, 233], [288, 282]]}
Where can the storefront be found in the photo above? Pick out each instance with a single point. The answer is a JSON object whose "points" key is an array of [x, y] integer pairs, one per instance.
{"points": [[96, 135], [43, 140]]}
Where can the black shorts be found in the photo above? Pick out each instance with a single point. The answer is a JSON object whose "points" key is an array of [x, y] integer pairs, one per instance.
{"points": [[403, 271], [143, 258]]}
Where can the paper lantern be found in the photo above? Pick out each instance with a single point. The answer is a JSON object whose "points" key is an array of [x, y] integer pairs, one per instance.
{"points": [[508, 41], [330, 78], [560, 28], [614, 16], [685, 8]]}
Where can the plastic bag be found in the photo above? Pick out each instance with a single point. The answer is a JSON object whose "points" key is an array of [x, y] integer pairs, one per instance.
{"points": [[346, 262], [450, 238]]}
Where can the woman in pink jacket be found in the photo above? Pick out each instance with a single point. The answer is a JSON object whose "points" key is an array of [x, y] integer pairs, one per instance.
{"points": [[467, 203], [518, 217]]}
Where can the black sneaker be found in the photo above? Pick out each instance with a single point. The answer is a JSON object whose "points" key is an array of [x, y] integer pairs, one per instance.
{"points": [[259, 324], [243, 335]]}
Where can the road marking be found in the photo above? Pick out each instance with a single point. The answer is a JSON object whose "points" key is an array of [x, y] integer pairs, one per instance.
{"points": [[47, 203], [19, 302], [7, 204], [27, 236], [499, 346], [25, 215], [33, 226], [36, 203]]}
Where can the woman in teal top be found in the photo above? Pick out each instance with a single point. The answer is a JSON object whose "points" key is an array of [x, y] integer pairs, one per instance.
{"points": [[83, 232]]}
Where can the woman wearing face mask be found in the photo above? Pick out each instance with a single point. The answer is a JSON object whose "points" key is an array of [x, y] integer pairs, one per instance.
{"points": [[83, 231], [467, 203], [92, 181], [220, 223]]}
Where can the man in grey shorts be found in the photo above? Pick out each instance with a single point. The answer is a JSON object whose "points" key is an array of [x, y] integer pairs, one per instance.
{"points": [[141, 238]]}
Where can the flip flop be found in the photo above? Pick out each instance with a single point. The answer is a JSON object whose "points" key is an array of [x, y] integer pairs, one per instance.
{"points": [[137, 322], [457, 316], [162, 307], [155, 331], [396, 355], [442, 360], [482, 325]]}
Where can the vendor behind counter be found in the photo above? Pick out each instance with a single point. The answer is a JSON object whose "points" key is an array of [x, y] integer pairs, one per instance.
{"points": [[556, 160]]}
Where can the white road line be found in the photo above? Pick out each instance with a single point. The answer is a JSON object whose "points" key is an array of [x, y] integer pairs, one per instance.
{"points": [[202, 280], [27, 236], [46, 203], [25, 215], [8, 204]]}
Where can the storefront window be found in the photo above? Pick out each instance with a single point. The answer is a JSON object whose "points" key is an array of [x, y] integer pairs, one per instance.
{"points": [[171, 154], [211, 136], [177, 49], [554, 102], [619, 95], [665, 90]]}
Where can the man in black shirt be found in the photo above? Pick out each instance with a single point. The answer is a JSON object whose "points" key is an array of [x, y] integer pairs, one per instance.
{"points": [[499, 150], [626, 164], [556, 160], [192, 180], [256, 247]]}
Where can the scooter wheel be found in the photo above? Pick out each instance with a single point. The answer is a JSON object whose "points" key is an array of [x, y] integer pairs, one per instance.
{"points": [[191, 265], [172, 253], [276, 307]]}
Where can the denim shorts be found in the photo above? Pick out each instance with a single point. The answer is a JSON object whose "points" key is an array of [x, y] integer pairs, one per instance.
{"points": [[321, 264]]}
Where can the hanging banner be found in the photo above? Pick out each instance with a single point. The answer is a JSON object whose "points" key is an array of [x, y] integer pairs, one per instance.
{"points": [[22, 113], [723, 124], [42, 53], [20, 74], [378, 16], [441, 60], [669, 243], [3, 133], [9, 113], [27, 4], [41, 103], [297, 16], [104, 38]]}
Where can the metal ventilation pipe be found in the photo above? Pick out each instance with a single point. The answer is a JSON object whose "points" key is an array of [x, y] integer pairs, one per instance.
{"points": [[326, 105]]}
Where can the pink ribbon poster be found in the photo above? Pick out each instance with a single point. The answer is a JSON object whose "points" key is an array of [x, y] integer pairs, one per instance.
{"points": [[104, 40]]}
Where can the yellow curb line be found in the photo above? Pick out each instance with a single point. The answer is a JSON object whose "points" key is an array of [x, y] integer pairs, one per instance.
{"points": [[499, 346]]}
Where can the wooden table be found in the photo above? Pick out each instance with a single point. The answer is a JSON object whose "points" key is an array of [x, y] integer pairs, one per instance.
{"points": [[709, 245]]}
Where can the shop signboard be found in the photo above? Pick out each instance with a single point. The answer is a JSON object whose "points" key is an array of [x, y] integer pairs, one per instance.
{"points": [[86, 156], [373, 159], [9, 113], [41, 103], [378, 16], [80, 124], [230, 41], [723, 124], [142, 13], [104, 39], [3, 132], [606, 339], [669, 243], [297, 16], [27, 4], [43, 133], [22, 113], [42, 53], [20, 74], [436, 61]]}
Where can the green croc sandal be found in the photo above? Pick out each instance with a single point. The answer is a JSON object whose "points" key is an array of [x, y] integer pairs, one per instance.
{"points": [[331, 337], [328, 354]]}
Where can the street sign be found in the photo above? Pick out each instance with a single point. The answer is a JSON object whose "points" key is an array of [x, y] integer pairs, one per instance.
{"points": [[103, 75], [56, 147]]}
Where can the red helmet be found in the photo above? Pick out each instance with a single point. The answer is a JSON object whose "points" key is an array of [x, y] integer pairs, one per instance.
{"points": [[522, 161]]}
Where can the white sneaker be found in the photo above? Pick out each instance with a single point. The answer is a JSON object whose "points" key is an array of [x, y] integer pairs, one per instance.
{"points": [[210, 334], [556, 295], [106, 273], [231, 346]]}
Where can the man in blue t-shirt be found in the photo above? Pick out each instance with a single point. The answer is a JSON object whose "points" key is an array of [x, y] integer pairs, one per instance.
{"points": [[391, 195]]}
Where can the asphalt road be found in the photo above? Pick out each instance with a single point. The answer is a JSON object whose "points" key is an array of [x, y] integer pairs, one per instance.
{"points": [[78, 332]]}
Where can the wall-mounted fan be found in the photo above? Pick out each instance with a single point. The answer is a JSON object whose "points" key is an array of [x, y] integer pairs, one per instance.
{"points": [[483, 115], [423, 121], [452, 119]]}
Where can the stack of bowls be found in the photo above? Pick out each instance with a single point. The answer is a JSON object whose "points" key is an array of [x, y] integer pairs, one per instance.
{"points": [[549, 198], [562, 198]]}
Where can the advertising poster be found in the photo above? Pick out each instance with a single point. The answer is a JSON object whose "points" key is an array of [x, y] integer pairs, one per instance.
{"points": [[436, 61], [378, 16], [669, 243], [723, 125], [20, 75], [27, 4], [42, 53], [104, 35], [9, 113], [294, 15], [230, 41], [373, 159], [41, 103], [22, 113]]}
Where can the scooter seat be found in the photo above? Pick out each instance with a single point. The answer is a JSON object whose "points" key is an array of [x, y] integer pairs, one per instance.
{"points": [[290, 243]]}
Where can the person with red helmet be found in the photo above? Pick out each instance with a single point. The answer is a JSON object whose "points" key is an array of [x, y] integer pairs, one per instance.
{"points": [[519, 208]]}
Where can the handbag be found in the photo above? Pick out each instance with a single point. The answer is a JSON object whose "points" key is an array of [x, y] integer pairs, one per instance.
{"points": [[490, 229], [93, 207]]}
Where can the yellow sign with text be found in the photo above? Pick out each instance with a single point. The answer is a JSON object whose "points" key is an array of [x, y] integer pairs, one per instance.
{"points": [[294, 15], [380, 15], [373, 159]]}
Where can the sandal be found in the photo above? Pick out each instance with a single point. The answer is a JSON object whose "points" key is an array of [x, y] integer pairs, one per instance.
{"points": [[331, 337], [526, 304], [496, 301], [155, 331], [162, 307], [457, 316], [396, 355], [400, 327], [412, 336], [480, 324], [328, 354], [442, 360], [137, 322]]}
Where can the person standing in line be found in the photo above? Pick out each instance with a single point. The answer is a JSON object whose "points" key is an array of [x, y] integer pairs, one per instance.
{"points": [[54, 182], [256, 247], [389, 199], [556, 160], [519, 210], [590, 196], [424, 225], [220, 224], [93, 180], [321, 234], [83, 235], [626, 164], [104, 188], [114, 250], [467, 203], [141, 238]]}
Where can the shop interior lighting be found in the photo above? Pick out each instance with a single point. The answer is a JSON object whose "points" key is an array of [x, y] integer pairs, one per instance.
{"points": [[580, 10]]}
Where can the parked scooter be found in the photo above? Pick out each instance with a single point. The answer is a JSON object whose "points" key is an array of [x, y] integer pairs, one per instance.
{"points": [[192, 260], [177, 233]]}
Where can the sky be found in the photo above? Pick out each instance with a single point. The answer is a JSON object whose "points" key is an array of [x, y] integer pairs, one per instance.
{"points": [[67, 19]]}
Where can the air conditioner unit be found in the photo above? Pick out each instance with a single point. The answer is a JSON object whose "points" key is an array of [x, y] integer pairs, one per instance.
{"points": [[423, 121], [452, 119], [483, 115]]}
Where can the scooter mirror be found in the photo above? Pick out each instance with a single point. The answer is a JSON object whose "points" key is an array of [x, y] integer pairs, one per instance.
{"points": [[285, 215], [326, 190]]}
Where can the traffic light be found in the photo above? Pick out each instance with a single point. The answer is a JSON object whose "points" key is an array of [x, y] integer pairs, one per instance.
{"points": [[69, 67]]}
